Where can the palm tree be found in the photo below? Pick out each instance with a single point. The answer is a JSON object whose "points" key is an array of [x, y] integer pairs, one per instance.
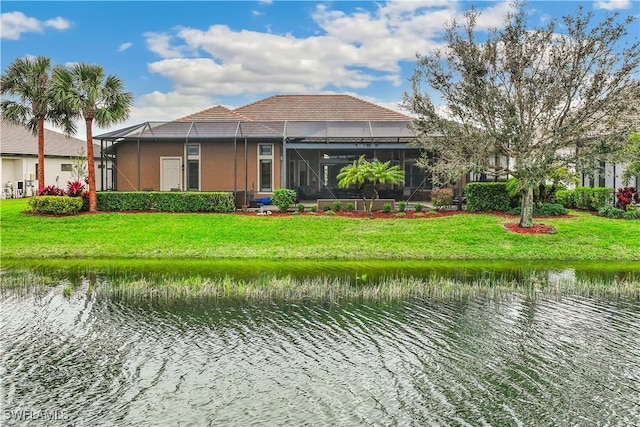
{"points": [[383, 173], [86, 92], [28, 82], [354, 174]]}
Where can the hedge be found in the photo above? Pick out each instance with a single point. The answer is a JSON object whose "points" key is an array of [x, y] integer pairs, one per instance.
{"points": [[487, 196], [566, 198], [166, 201], [593, 199], [57, 205]]}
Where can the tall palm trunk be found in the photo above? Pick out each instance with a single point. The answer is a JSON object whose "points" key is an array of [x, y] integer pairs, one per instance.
{"points": [[91, 169], [40, 153], [526, 215]]}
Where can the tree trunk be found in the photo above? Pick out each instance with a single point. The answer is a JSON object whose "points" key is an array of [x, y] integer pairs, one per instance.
{"points": [[91, 169], [526, 214], [40, 153]]}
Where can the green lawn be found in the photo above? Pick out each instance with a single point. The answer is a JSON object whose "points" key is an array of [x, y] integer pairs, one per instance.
{"points": [[224, 236]]}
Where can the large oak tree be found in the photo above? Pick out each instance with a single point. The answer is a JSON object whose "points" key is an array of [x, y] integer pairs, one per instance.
{"points": [[542, 98]]}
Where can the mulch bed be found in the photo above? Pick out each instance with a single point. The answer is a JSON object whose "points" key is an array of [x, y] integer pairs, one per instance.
{"points": [[514, 227]]}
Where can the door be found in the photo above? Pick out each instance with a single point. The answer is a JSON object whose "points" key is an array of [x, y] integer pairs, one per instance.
{"points": [[170, 173]]}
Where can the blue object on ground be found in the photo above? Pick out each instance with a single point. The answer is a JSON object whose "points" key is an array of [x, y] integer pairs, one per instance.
{"points": [[264, 200]]}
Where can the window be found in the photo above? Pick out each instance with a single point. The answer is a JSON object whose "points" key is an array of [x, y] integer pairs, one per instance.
{"points": [[266, 150], [66, 167], [303, 180], [265, 167], [193, 167], [193, 175], [193, 150]]}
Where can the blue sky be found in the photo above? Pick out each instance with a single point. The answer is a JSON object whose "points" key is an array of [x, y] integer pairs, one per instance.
{"points": [[181, 57]]}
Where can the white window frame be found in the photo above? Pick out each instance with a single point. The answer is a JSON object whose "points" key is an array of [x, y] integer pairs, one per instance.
{"points": [[265, 157], [192, 157]]}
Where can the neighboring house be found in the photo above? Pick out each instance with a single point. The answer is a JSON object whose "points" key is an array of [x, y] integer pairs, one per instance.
{"points": [[294, 141], [609, 176], [19, 153]]}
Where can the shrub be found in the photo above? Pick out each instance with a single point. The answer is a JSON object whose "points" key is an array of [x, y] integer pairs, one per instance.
{"points": [[400, 214], [166, 201], [418, 215], [402, 205], [487, 196], [418, 207], [337, 206], [542, 209], [314, 208], [386, 208], [593, 198], [566, 198], [300, 208], [350, 207], [50, 190], [283, 198], [329, 212], [632, 214], [625, 196], [611, 212], [441, 197], [75, 188], [57, 205], [326, 208], [547, 193]]}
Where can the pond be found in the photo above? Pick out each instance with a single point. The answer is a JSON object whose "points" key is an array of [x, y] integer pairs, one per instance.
{"points": [[519, 357]]}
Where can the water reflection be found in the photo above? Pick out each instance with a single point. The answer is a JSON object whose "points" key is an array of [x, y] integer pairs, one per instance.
{"points": [[515, 360]]}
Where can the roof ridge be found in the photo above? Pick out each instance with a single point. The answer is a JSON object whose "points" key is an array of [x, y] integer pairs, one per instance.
{"points": [[215, 107], [377, 105]]}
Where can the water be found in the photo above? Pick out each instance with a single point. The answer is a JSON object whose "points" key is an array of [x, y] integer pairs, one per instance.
{"points": [[530, 360]]}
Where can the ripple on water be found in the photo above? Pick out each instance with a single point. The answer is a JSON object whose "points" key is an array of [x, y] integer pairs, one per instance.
{"points": [[472, 361]]}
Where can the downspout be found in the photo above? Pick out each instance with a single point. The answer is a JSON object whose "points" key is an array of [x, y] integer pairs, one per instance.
{"points": [[235, 165], [283, 163], [186, 161], [102, 180], [138, 144], [246, 171]]}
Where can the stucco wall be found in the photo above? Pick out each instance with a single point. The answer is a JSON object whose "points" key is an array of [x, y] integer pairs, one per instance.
{"points": [[217, 161]]}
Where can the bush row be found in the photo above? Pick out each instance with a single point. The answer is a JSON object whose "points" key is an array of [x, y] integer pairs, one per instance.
{"points": [[588, 198], [57, 205], [166, 201], [543, 209], [487, 196], [617, 213]]}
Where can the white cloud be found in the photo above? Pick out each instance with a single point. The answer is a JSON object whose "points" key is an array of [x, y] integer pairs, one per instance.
{"points": [[350, 51], [612, 4], [256, 13], [57, 23], [267, 2], [159, 43], [14, 24], [124, 46]]}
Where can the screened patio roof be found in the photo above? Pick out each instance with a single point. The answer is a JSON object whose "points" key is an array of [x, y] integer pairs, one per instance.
{"points": [[292, 131]]}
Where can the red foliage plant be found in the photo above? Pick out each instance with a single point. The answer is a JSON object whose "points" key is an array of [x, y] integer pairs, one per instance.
{"points": [[50, 190], [75, 188], [625, 196]]}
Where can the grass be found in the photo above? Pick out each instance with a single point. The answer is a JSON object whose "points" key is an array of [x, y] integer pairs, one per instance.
{"points": [[229, 236], [287, 288]]}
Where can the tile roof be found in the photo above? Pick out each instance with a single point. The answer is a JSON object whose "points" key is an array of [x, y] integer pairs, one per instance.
{"points": [[17, 140], [214, 114], [303, 108]]}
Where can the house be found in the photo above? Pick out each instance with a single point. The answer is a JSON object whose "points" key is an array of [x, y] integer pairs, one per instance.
{"points": [[19, 153], [294, 141]]}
